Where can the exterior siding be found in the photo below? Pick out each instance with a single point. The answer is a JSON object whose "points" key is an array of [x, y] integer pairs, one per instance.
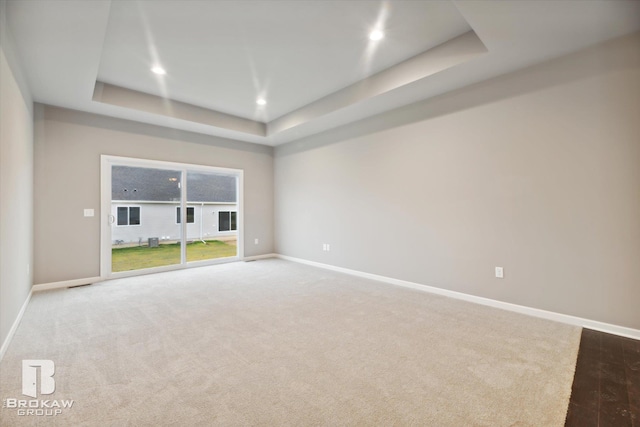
{"points": [[159, 220]]}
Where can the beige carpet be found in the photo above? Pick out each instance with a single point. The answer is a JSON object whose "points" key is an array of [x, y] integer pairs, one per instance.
{"points": [[277, 343]]}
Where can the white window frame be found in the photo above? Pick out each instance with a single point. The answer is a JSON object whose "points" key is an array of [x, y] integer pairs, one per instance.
{"points": [[230, 230], [128, 224], [106, 216], [187, 217]]}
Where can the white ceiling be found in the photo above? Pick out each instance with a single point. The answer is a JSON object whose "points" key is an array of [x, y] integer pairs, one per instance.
{"points": [[311, 60]]}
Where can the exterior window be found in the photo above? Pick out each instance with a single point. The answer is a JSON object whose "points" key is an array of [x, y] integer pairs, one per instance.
{"points": [[191, 215], [227, 221], [128, 215]]}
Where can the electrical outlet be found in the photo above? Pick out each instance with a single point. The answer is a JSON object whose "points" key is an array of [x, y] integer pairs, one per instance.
{"points": [[255, 241], [499, 272], [89, 212]]}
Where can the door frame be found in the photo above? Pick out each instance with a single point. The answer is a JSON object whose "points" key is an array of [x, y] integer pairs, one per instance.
{"points": [[107, 161]]}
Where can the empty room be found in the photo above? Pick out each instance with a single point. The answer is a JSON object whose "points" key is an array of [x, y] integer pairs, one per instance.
{"points": [[328, 213]]}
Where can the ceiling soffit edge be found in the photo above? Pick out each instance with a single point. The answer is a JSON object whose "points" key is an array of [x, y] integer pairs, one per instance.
{"points": [[442, 57]]}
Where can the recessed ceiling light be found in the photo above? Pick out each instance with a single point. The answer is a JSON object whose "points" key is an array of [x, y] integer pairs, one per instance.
{"points": [[376, 35], [261, 101], [158, 70]]}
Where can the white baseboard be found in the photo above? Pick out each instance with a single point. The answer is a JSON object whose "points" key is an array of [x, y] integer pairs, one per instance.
{"points": [[257, 257], [65, 284], [89, 280], [14, 327], [536, 312]]}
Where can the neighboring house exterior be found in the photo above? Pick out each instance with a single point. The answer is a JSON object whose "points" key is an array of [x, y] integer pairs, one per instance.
{"points": [[145, 204]]}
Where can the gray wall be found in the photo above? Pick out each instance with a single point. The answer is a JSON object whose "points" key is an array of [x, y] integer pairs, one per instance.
{"points": [[16, 185], [537, 171], [68, 145]]}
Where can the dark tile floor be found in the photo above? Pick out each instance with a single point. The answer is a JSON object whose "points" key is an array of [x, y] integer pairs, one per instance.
{"points": [[606, 385]]}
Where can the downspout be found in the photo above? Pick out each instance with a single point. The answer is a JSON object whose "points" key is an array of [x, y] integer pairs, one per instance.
{"points": [[201, 219]]}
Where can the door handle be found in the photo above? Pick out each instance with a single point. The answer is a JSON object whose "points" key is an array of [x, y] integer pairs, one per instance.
{"points": [[111, 219]]}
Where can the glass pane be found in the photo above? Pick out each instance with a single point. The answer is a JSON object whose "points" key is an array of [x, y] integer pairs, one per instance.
{"points": [[223, 221], [209, 194], [147, 234], [123, 216], [134, 216], [233, 221]]}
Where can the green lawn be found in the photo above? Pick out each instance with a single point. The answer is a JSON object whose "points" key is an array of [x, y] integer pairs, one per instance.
{"points": [[137, 257]]}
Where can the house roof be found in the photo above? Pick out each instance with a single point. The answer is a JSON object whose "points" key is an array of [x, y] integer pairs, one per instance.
{"points": [[160, 185]]}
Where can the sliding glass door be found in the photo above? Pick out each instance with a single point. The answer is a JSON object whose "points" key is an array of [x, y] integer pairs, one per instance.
{"points": [[144, 231], [162, 216], [209, 196]]}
